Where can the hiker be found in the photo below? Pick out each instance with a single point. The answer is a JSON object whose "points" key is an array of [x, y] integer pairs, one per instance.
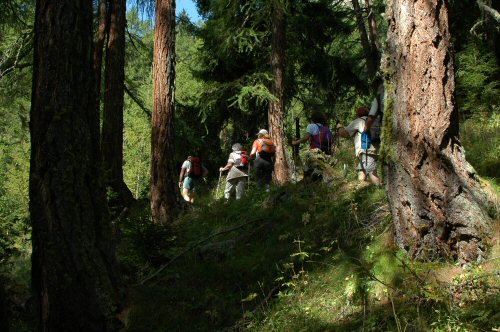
{"points": [[191, 170], [317, 133], [263, 151], [376, 114], [366, 152], [237, 164]]}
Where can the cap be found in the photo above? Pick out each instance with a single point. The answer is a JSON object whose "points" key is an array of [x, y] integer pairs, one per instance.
{"points": [[362, 111], [263, 132]]}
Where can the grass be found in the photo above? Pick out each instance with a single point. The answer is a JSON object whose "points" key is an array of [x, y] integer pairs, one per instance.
{"points": [[312, 258]]}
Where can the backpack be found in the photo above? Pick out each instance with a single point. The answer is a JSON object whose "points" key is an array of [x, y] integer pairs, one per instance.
{"points": [[376, 129], [323, 140], [242, 159], [266, 148], [366, 140], [194, 168]]}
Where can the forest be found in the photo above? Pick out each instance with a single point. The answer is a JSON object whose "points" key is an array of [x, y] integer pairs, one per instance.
{"points": [[225, 174]]}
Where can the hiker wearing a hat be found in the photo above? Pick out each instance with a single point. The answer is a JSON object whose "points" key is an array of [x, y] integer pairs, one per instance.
{"points": [[365, 151], [263, 150], [237, 164]]}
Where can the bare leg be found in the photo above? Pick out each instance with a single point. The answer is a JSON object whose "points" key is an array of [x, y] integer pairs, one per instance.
{"points": [[375, 179], [361, 175]]}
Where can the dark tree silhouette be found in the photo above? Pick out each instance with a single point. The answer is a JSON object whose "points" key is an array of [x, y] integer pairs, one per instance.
{"points": [[73, 262], [112, 122]]}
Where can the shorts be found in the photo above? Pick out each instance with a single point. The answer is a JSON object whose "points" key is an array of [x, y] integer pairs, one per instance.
{"points": [[189, 183], [367, 163]]}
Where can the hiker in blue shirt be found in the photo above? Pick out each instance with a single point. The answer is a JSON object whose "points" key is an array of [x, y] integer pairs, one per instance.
{"points": [[317, 133], [366, 153]]}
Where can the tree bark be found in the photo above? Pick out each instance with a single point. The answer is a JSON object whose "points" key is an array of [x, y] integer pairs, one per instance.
{"points": [[112, 122], [276, 111], [365, 43], [73, 263], [163, 186], [373, 34], [98, 49], [435, 198]]}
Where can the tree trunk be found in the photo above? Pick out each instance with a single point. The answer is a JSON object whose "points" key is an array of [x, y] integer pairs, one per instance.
{"points": [[365, 43], [112, 122], [276, 110], [98, 49], [163, 186], [435, 198], [73, 262], [373, 31]]}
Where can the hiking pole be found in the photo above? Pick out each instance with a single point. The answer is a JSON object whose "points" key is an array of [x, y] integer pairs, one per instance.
{"points": [[218, 184], [249, 162]]}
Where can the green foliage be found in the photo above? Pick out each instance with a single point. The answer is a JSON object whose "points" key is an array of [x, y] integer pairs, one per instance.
{"points": [[142, 245], [475, 132], [478, 87]]}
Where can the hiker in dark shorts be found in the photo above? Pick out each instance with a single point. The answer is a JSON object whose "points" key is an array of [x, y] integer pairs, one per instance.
{"points": [[264, 160]]}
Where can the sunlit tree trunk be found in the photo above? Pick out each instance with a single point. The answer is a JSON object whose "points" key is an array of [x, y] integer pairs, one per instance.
{"points": [[73, 262], [276, 112], [435, 198], [112, 120], [163, 185]]}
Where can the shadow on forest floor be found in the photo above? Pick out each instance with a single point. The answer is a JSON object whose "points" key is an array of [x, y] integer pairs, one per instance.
{"points": [[306, 258]]}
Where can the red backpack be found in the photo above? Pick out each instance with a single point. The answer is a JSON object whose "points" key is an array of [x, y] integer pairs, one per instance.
{"points": [[242, 161], [194, 168]]}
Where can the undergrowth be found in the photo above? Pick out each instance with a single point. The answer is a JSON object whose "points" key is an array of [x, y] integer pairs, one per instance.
{"points": [[304, 257]]}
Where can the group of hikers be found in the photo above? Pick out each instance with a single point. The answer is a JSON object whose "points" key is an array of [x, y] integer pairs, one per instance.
{"points": [[365, 129], [238, 167]]}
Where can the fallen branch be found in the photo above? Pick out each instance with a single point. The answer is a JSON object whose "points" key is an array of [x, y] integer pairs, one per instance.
{"points": [[143, 281], [137, 101], [495, 14]]}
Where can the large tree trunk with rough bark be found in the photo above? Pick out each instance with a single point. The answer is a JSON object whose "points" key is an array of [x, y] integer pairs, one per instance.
{"points": [[112, 120], [73, 263], [163, 186], [276, 112], [435, 198]]}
